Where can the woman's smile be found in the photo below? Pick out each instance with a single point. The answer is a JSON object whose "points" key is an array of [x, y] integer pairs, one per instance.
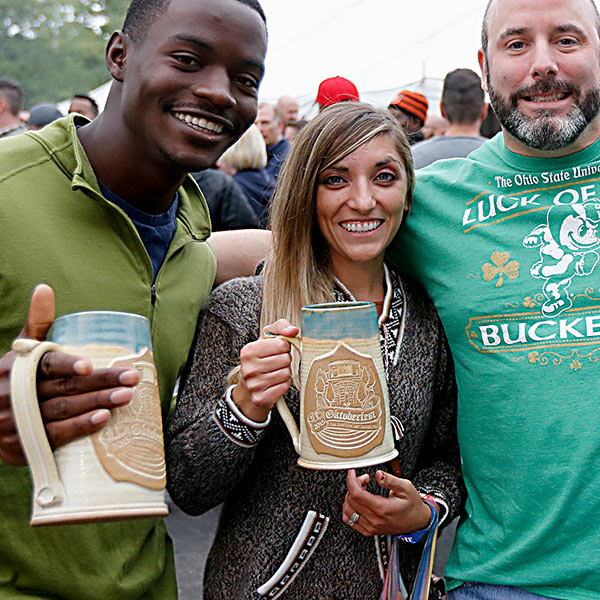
{"points": [[361, 226]]}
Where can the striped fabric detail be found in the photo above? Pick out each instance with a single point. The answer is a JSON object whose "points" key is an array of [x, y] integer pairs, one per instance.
{"points": [[440, 498], [382, 543], [237, 427], [308, 539]]}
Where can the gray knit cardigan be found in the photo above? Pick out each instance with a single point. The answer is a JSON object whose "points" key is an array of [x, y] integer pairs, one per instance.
{"points": [[281, 533]]}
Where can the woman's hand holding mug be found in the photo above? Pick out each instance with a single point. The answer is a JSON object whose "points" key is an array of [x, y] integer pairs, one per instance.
{"points": [[266, 373]]}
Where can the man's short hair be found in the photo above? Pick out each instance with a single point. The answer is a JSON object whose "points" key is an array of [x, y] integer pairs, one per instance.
{"points": [[12, 92], [462, 96], [484, 32], [90, 100], [141, 14], [297, 125]]}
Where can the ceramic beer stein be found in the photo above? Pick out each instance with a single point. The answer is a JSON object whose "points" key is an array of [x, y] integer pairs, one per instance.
{"points": [[118, 472], [344, 405]]}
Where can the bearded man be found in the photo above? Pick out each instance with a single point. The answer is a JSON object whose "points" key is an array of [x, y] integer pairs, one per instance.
{"points": [[505, 243]]}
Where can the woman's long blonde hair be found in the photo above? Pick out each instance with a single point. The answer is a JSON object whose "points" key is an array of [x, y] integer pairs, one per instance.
{"points": [[249, 152], [298, 269]]}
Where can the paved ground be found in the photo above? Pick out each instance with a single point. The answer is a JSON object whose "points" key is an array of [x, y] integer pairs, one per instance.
{"points": [[192, 537]]}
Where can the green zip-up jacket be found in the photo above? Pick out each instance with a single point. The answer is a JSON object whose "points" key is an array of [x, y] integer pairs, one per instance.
{"points": [[58, 229]]}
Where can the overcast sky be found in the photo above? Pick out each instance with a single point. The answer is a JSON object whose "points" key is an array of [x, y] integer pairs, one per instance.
{"points": [[378, 44]]}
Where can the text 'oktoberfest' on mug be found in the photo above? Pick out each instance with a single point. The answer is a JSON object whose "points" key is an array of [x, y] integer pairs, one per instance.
{"points": [[344, 405], [118, 472]]}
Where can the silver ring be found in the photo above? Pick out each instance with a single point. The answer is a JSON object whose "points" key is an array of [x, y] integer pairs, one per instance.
{"points": [[354, 517]]}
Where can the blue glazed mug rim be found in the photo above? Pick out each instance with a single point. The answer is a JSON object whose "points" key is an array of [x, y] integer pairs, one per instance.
{"points": [[100, 312], [104, 327], [340, 320], [338, 305]]}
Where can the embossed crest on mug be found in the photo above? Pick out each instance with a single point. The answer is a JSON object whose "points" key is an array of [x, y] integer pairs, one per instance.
{"points": [[130, 445], [344, 410], [119, 472]]}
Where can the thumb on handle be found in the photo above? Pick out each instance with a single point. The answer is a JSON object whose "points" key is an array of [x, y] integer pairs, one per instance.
{"points": [[41, 313], [294, 341]]}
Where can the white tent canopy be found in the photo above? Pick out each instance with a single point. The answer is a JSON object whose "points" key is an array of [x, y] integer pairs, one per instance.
{"points": [[380, 45]]}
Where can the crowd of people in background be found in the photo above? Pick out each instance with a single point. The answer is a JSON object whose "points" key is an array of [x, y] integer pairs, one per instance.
{"points": [[14, 118], [240, 184]]}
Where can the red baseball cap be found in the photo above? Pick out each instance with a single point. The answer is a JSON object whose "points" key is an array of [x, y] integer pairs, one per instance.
{"points": [[336, 89]]}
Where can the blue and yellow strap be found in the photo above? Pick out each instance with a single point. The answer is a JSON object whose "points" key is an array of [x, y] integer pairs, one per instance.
{"points": [[393, 586]]}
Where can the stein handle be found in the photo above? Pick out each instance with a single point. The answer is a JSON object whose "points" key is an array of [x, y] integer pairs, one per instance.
{"points": [[47, 486], [282, 407]]}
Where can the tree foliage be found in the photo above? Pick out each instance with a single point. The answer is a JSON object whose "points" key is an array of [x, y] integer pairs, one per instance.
{"points": [[55, 48]]}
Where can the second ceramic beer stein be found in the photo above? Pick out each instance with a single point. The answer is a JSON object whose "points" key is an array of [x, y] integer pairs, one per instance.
{"points": [[118, 472], [344, 405]]}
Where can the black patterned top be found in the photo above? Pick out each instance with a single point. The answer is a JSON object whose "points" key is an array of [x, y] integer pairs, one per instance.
{"points": [[281, 533]]}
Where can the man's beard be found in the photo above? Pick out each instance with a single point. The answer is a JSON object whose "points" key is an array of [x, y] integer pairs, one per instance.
{"points": [[546, 131]]}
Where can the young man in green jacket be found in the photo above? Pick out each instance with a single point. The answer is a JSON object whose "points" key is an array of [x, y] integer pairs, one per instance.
{"points": [[105, 213]]}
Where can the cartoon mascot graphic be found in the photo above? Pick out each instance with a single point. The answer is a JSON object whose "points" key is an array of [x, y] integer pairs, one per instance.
{"points": [[568, 244]]}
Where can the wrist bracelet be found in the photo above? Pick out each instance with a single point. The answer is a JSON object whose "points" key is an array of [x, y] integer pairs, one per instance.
{"points": [[417, 536]]}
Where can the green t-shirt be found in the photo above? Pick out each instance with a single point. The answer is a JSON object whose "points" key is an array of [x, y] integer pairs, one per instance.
{"points": [[508, 247]]}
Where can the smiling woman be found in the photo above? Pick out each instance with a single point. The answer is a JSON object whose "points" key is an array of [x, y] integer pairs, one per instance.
{"points": [[343, 192], [360, 205]]}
